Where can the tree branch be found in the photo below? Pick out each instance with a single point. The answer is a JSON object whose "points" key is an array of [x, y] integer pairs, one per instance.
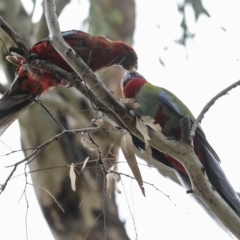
{"points": [[16, 39], [208, 105]]}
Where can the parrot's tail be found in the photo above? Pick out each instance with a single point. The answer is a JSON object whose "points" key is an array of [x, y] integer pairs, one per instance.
{"points": [[12, 104], [217, 177], [214, 172]]}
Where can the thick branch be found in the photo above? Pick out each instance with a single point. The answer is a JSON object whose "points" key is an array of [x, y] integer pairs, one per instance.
{"points": [[185, 126]]}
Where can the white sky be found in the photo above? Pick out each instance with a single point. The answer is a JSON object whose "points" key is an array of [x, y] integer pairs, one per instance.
{"points": [[212, 64]]}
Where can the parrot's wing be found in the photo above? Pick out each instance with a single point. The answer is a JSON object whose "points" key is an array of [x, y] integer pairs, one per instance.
{"points": [[12, 104], [178, 107], [171, 102], [212, 166], [70, 34]]}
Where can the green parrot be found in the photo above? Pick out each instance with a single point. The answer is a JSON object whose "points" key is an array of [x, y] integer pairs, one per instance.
{"points": [[167, 110]]}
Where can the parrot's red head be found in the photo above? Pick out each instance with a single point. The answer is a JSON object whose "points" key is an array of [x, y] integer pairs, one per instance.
{"points": [[125, 55], [132, 83]]}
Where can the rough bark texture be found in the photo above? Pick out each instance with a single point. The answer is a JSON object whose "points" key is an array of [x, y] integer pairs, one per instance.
{"points": [[67, 105]]}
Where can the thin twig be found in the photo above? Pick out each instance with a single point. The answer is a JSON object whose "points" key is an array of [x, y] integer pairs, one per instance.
{"points": [[133, 220], [87, 194], [49, 194], [104, 209], [55, 120], [100, 161], [14, 151], [25, 194], [43, 146], [208, 105], [93, 225], [151, 184]]}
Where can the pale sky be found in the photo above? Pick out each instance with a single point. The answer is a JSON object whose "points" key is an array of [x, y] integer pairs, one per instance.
{"points": [[195, 74]]}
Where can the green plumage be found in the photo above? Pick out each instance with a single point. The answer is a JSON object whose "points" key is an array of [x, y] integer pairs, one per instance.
{"points": [[160, 98], [167, 110]]}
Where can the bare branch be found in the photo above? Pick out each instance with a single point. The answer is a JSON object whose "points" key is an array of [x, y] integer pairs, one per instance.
{"points": [[17, 40], [33, 155], [55, 120], [93, 224], [55, 200], [209, 104], [147, 183]]}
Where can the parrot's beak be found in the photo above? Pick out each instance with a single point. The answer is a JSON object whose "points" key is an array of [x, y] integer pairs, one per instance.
{"points": [[136, 65], [133, 69]]}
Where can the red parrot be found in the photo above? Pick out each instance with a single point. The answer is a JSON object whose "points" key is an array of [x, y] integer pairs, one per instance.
{"points": [[167, 110], [29, 83]]}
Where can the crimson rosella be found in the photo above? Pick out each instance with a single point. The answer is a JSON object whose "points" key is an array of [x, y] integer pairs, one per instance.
{"points": [[167, 110], [29, 83]]}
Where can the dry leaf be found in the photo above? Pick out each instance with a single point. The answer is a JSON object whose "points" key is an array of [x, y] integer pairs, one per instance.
{"points": [[149, 121], [72, 175], [117, 179], [115, 156], [87, 143], [144, 131], [106, 125], [148, 151], [109, 186], [130, 103], [111, 178], [84, 164], [13, 59], [127, 149], [142, 128]]}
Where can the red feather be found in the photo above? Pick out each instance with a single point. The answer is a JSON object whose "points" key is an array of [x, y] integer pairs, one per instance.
{"points": [[96, 52]]}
